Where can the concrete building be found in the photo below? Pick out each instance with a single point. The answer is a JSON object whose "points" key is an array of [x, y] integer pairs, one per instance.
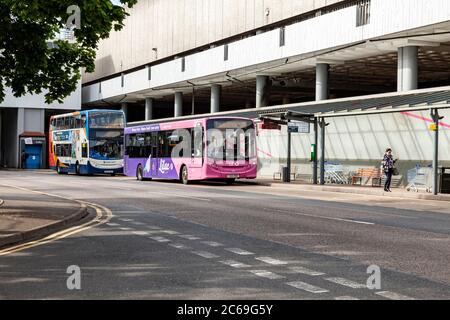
{"points": [[182, 57], [24, 127]]}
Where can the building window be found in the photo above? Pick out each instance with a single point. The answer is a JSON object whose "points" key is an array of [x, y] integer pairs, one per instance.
{"points": [[363, 13], [122, 79], [225, 52], [100, 87], [183, 64], [282, 36], [149, 70]]}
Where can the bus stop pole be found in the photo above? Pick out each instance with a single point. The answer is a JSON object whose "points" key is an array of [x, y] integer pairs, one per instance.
{"points": [[316, 140], [288, 178], [435, 116], [322, 151]]}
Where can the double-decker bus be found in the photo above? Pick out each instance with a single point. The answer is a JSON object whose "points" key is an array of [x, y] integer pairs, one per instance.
{"points": [[202, 149], [87, 142]]}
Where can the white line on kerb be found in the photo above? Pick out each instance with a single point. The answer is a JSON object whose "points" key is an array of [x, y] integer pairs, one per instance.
{"points": [[306, 271], [346, 298], [235, 264], [306, 287], [347, 283], [239, 251], [266, 274], [272, 261], [393, 295], [205, 254]]}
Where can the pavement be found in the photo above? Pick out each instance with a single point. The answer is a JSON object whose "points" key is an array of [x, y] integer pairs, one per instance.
{"points": [[363, 190], [205, 240], [26, 215]]}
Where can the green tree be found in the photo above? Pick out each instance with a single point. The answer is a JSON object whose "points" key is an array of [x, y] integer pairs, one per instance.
{"points": [[31, 62]]}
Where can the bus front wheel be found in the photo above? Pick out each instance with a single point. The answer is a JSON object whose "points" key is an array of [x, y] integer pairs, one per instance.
{"points": [[77, 169], [184, 176], [58, 169]]}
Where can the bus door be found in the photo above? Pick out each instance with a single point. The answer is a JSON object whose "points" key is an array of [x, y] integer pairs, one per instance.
{"points": [[76, 153], [155, 154], [197, 147]]}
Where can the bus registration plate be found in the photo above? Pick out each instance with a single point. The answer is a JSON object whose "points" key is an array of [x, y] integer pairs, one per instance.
{"points": [[233, 176], [109, 171]]}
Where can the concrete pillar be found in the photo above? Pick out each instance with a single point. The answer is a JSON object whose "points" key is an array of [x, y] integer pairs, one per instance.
{"points": [[262, 94], [216, 92], [124, 108], [149, 108], [408, 68], [178, 107], [322, 75]]}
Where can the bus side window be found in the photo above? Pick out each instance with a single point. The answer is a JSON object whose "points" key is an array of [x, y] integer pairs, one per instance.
{"points": [[84, 150]]}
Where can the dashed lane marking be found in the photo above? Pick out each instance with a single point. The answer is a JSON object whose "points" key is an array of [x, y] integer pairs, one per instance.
{"points": [[140, 233], [235, 264], [306, 271], [272, 261], [239, 251], [329, 218], [160, 239], [306, 287], [170, 232], [393, 296], [179, 246], [346, 298], [125, 229], [189, 237], [266, 274], [346, 283], [212, 243], [205, 254], [113, 224]]}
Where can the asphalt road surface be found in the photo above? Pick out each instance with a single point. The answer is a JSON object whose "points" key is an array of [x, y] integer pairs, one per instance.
{"points": [[213, 241]]}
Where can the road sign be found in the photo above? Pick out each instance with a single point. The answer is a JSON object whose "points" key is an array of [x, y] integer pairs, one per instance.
{"points": [[298, 127]]}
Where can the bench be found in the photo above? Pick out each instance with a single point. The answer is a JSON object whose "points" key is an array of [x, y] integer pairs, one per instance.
{"points": [[373, 174]]}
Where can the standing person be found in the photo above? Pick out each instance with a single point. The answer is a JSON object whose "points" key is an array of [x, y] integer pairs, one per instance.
{"points": [[388, 168], [23, 158]]}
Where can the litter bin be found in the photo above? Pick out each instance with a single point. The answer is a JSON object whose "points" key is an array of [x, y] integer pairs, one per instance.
{"points": [[286, 174], [444, 181]]}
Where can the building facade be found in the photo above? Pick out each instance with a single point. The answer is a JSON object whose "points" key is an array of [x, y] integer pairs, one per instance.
{"points": [[184, 57]]}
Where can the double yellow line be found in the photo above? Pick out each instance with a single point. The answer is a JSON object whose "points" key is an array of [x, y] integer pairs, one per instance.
{"points": [[103, 215]]}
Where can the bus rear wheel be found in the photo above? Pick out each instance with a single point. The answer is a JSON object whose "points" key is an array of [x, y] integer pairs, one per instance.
{"points": [[139, 173], [184, 176]]}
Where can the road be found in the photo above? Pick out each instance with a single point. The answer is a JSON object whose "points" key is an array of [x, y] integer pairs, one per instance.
{"points": [[213, 241]]}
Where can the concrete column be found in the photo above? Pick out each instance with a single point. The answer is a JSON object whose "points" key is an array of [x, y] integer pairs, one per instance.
{"points": [[149, 108], [216, 92], [408, 68], [178, 107], [322, 75], [124, 108], [262, 94]]}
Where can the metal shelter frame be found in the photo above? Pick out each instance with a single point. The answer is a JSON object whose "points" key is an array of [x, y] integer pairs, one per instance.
{"points": [[317, 112]]}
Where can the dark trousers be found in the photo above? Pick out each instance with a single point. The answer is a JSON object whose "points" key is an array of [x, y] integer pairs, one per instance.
{"points": [[387, 185]]}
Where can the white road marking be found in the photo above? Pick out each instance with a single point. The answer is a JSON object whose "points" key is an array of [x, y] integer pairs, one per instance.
{"points": [[330, 218], [212, 243], [235, 264], [306, 287], [346, 298], [160, 239], [393, 295], [179, 246], [347, 283], [153, 227], [272, 261], [126, 229], [138, 223], [205, 254], [179, 195], [140, 233], [171, 232], [189, 237], [113, 224], [239, 251], [126, 220], [266, 274], [306, 271]]}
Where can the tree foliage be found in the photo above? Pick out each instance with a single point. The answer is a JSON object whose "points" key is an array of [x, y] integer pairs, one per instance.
{"points": [[31, 62]]}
